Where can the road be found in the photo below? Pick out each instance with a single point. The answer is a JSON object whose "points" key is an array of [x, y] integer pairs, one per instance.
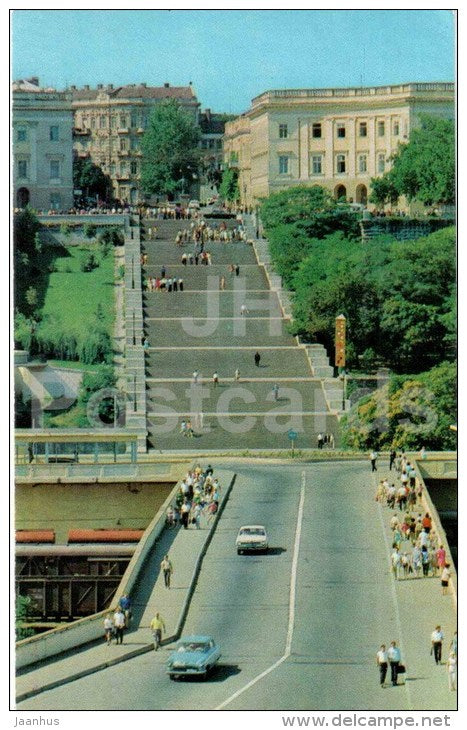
{"points": [[309, 648]]}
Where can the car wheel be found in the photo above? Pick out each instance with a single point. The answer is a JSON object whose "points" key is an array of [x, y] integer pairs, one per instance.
{"points": [[239, 552]]}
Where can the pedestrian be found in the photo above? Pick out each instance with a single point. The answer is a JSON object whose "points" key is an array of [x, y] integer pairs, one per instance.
{"points": [[175, 283], [373, 457], [157, 626], [237, 270], [451, 666], [108, 629], [437, 644], [184, 258], [392, 459], [222, 283], [257, 359], [382, 662], [275, 390], [167, 570], [396, 561], [119, 623], [394, 656], [237, 375], [441, 558], [425, 560], [320, 440], [189, 429], [125, 605], [445, 575], [185, 513], [180, 284], [195, 377], [163, 272], [183, 428], [453, 646], [215, 379], [244, 310]]}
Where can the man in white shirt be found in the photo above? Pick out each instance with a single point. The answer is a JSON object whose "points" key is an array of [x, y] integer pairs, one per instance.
{"points": [[394, 656], [396, 562], [119, 623], [382, 662], [437, 643]]}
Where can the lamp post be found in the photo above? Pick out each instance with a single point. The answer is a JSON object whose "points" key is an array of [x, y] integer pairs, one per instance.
{"points": [[340, 353], [134, 393], [134, 328], [133, 272]]}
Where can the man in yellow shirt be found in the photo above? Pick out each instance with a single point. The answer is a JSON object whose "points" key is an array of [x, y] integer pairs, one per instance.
{"points": [[157, 626]]}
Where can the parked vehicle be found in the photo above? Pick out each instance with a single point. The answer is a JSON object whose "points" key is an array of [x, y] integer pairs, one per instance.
{"points": [[252, 538], [194, 655]]}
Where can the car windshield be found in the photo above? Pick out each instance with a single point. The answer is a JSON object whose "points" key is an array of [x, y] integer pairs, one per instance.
{"points": [[252, 531], [193, 646]]}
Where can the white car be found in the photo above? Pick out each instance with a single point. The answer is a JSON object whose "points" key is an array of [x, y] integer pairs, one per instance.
{"points": [[194, 204], [252, 538]]}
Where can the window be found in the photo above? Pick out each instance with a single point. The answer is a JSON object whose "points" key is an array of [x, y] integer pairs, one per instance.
{"points": [[113, 122], [93, 122], [316, 130], [54, 169], [134, 120], [283, 164], [123, 146], [341, 130], [123, 169], [21, 135], [340, 163], [55, 201], [395, 129], [134, 167], [53, 134], [283, 132], [122, 121], [362, 129], [212, 143], [362, 163], [22, 168], [134, 143], [219, 144], [381, 162], [317, 164], [102, 122], [381, 129]]}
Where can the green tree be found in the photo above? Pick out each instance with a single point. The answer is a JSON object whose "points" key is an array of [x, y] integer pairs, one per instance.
{"points": [[383, 191], [424, 168], [23, 614], [90, 178], [229, 189], [170, 150]]}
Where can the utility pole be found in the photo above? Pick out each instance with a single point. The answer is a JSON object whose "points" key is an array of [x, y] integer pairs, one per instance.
{"points": [[340, 352]]}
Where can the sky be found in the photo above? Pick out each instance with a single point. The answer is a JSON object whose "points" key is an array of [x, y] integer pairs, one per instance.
{"points": [[233, 55]]}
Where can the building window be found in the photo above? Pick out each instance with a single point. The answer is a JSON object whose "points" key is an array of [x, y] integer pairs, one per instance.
{"points": [[122, 121], [102, 122], [395, 129], [340, 163], [134, 167], [113, 122], [112, 169], [219, 144], [55, 201], [316, 130], [381, 162], [21, 135], [134, 121], [381, 129], [283, 164], [53, 134], [362, 129], [93, 122], [341, 130], [362, 163], [317, 164], [54, 169], [22, 168], [212, 143], [123, 145], [283, 132]]}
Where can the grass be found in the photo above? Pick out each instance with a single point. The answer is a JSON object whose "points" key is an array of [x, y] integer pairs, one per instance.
{"points": [[72, 365], [72, 297]]}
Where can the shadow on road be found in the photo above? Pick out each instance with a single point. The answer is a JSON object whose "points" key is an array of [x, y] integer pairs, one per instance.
{"points": [[219, 674], [276, 551]]}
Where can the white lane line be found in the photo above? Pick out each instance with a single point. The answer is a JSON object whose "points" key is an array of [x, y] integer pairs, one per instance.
{"points": [[394, 594], [292, 592]]}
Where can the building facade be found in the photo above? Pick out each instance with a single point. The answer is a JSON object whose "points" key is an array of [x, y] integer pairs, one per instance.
{"points": [[110, 122], [336, 138], [42, 122], [212, 127]]}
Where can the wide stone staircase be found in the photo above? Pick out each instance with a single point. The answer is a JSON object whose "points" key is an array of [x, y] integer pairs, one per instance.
{"points": [[203, 329]]}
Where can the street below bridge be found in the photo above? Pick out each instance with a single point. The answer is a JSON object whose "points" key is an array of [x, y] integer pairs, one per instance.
{"points": [[298, 627]]}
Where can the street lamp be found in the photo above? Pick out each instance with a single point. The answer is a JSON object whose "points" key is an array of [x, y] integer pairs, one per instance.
{"points": [[134, 328], [134, 392], [132, 272]]}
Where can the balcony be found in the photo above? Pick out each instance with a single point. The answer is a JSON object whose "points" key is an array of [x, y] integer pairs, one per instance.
{"points": [[123, 130], [81, 132]]}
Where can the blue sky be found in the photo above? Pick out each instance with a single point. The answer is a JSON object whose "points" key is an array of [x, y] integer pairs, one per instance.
{"points": [[233, 55]]}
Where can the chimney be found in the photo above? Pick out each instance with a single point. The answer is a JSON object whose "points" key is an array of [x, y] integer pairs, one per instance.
{"points": [[34, 80], [86, 86], [166, 85], [99, 86], [110, 86], [73, 87], [143, 85]]}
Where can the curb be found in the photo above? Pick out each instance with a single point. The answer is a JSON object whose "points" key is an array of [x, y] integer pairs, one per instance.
{"points": [[146, 647]]}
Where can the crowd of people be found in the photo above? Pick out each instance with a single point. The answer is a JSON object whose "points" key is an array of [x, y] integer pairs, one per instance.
{"points": [[197, 498]]}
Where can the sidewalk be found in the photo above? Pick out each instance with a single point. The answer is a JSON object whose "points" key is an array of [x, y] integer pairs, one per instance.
{"points": [[149, 596]]}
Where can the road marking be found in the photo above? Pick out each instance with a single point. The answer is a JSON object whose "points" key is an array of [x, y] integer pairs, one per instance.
{"points": [[394, 592], [292, 592]]}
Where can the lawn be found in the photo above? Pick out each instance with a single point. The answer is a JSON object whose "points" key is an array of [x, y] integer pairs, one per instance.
{"points": [[74, 299]]}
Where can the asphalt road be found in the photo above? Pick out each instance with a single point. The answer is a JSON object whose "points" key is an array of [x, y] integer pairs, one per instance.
{"points": [[309, 648]]}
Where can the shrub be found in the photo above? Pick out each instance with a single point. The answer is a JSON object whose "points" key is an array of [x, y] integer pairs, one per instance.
{"points": [[88, 262], [65, 229], [89, 230]]}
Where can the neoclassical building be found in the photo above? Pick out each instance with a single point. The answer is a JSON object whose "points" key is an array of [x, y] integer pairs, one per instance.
{"points": [[42, 146], [109, 123], [336, 138]]}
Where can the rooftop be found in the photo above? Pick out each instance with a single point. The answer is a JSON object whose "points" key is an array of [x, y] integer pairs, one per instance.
{"points": [[134, 91]]}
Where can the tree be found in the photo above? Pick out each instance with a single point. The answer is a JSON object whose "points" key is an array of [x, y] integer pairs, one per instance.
{"points": [[170, 150], [90, 178], [229, 189], [424, 168], [23, 615], [383, 191]]}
